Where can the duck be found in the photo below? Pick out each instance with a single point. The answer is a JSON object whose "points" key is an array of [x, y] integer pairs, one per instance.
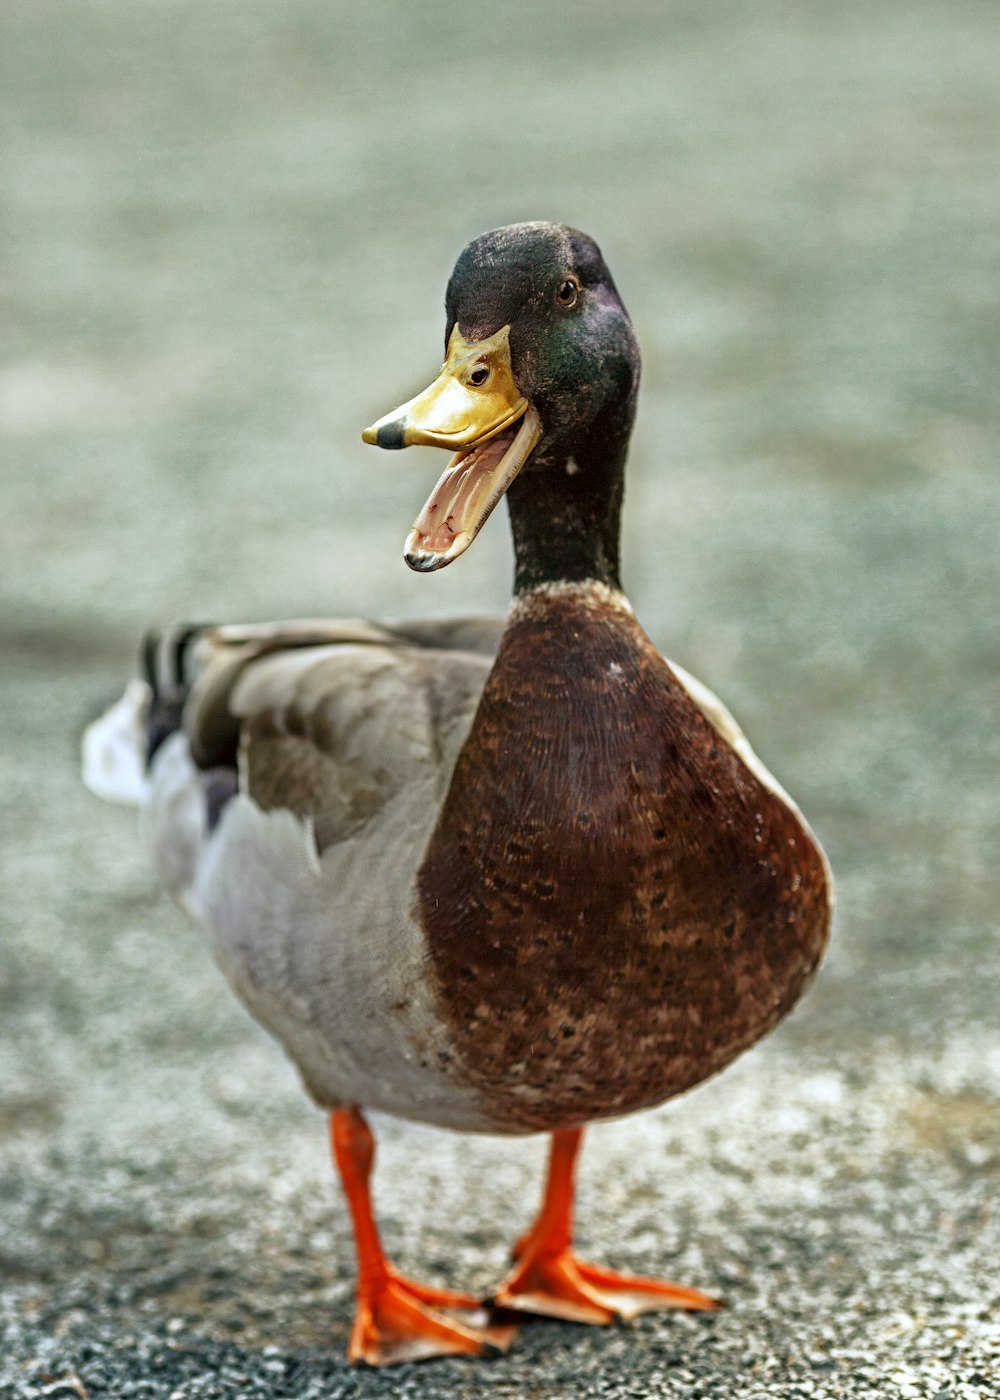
{"points": [[506, 876]]}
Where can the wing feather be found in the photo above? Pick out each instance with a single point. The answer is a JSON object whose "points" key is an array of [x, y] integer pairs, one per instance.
{"points": [[334, 721]]}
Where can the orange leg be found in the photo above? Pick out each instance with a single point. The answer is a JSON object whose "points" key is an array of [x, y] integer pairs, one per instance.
{"points": [[550, 1279], [396, 1319]]}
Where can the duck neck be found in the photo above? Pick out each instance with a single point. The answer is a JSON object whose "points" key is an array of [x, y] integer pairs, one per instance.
{"points": [[565, 514]]}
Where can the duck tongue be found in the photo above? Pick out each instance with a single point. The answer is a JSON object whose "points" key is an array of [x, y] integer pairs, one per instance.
{"points": [[464, 497]]}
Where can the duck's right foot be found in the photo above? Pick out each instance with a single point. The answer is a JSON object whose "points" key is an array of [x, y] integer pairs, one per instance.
{"points": [[400, 1320]]}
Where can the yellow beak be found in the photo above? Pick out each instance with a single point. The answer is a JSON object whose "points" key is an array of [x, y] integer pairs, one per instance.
{"points": [[473, 401], [473, 398]]}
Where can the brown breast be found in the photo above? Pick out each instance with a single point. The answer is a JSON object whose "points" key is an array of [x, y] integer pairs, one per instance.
{"points": [[614, 905]]}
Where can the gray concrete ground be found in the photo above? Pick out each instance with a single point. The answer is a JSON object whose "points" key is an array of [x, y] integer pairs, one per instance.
{"points": [[227, 233]]}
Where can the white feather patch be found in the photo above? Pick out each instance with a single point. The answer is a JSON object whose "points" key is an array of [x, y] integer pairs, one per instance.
{"points": [[114, 749]]}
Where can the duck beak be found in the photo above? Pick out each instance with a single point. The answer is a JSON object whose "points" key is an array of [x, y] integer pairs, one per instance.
{"points": [[475, 408]]}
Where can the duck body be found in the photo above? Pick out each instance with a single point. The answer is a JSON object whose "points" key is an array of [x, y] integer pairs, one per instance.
{"points": [[500, 876], [502, 895]]}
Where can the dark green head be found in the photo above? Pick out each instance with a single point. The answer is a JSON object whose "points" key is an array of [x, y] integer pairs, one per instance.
{"points": [[573, 352], [538, 395]]}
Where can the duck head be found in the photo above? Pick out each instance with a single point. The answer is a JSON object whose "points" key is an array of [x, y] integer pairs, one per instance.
{"points": [[535, 400]]}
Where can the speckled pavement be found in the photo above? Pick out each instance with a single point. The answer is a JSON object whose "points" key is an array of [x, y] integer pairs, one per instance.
{"points": [[227, 232]]}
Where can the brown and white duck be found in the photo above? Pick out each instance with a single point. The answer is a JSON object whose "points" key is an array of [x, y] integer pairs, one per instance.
{"points": [[503, 877]]}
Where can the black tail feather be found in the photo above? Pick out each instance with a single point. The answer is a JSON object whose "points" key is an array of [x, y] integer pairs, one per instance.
{"points": [[164, 663]]}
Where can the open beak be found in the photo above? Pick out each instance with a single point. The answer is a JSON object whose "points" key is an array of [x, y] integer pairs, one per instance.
{"points": [[474, 408]]}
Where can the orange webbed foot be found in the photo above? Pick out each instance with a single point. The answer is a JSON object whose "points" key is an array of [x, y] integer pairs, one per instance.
{"points": [[398, 1319], [549, 1279], [558, 1284]]}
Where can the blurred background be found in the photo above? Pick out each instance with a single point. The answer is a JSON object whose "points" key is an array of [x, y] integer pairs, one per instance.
{"points": [[227, 233]]}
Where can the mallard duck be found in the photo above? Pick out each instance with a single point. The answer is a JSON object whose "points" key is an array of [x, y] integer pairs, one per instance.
{"points": [[503, 877]]}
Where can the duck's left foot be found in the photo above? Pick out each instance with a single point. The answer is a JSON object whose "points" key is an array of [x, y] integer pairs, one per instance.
{"points": [[561, 1285], [548, 1277]]}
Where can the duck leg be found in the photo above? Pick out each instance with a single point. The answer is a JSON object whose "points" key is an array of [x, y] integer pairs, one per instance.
{"points": [[548, 1277], [395, 1318]]}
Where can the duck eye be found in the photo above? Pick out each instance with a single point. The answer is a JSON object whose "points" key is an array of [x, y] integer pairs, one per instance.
{"points": [[568, 291], [479, 376]]}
